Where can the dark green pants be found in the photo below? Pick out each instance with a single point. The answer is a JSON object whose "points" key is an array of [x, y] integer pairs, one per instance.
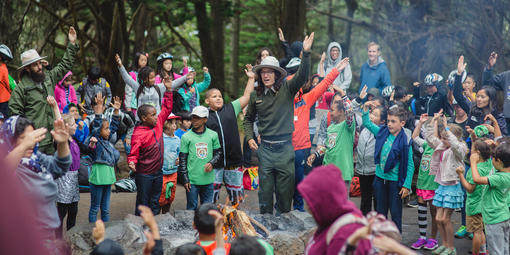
{"points": [[276, 170]]}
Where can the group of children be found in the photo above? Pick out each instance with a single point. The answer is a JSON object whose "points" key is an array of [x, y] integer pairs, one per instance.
{"points": [[168, 135]]}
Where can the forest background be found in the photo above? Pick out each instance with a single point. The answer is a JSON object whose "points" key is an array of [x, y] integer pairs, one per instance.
{"points": [[417, 37]]}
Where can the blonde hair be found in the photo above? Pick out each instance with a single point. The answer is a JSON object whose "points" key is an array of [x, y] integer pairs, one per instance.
{"points": [[456, 130], [370, 44]]}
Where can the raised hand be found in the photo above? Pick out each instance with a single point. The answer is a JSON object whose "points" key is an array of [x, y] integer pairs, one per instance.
{"points": [[249, 71], [424, 117], [59, 132], [307, 43], [99, 107], [72, 35], [489, 127], [363, 93], [185, 61], [205, 69], [33, 138], [323, 57], [280, 35], [491, 118], [461, 66], [118, 60], [492, 59], [168, 83], [416, 84], [474, 156], [343, 64]]}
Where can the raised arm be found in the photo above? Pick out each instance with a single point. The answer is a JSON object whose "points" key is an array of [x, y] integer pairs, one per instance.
{"points": [[373, 128], [304, 69], [54, 107], [457, 86], [245, 98], [206, 82], [468, 186], [67, 61], [474, 169], [125, 75], [347, 73], [431, 135], [488, 78]]}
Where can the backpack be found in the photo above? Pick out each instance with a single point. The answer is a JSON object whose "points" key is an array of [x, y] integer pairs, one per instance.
{"points": [[84, 172]]}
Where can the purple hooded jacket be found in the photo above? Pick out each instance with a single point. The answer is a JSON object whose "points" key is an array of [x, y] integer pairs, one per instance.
{"points": [[326, 195]]}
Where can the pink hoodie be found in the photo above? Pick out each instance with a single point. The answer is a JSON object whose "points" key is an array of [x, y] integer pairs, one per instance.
{"points": [[60, 93], [325, 193]]}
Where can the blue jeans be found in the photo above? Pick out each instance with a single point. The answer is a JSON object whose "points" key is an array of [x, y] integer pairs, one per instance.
{"points": [[206, 193], [99, 198], [387, 197], [299, 164], [148, 191]]}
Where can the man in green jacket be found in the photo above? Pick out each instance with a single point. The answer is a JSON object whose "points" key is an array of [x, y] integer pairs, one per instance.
{"points": [[273, 103], [29, 96]]}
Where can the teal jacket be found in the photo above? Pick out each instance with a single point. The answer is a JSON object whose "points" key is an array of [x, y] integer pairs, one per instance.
{"points": [[199, 87]]}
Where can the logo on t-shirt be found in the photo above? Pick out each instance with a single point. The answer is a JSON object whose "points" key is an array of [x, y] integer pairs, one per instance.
{"points": [[201, 150], [425, 162], [332, 140]]}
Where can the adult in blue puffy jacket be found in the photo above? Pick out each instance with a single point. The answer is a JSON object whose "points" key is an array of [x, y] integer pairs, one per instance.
{"points": [[374, 73]]}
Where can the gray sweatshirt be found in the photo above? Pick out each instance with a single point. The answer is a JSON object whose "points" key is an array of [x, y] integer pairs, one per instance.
{"points": [[149, 95], [344, 79], [43, 187]]}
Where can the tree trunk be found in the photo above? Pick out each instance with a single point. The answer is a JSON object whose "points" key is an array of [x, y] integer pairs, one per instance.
{"points": [[234, 67], [142, 23], [331, 31], [293, 19], [212, 47], [352, 5]]}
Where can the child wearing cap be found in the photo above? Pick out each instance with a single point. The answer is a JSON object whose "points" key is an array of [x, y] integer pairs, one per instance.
{"points": [[200, 150], [170, 161], [146, 157]]}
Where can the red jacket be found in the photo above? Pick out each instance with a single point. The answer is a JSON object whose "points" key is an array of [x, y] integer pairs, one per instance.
{"points": [[302, 105], [147, 143], [5, 89]]}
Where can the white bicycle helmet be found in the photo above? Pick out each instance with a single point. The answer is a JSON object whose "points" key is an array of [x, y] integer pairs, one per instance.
{"points": [[164, 56], [5, 51], [451, 77], [388, 90], [428, 81]]}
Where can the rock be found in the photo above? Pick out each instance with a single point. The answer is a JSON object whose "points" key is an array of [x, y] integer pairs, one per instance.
{"points": [[167, 224], [133, 219], [286, 243], [185, 218]]}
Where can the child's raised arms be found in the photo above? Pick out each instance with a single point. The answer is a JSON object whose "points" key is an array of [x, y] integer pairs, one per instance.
{"points": [[474, 169]]}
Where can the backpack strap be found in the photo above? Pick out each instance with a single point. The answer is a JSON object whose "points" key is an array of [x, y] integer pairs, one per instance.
{"points": [[329, 118], [346, 219]]}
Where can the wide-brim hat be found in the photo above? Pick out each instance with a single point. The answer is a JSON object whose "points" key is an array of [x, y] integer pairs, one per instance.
{"points": [[271, 62], [28, 57]]}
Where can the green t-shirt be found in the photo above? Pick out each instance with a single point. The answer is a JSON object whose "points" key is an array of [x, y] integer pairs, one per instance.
{"points": [[339, 148], [237, 106], [200, 149], [473, 200], [102, 174], [425, 180], [494, 201]]}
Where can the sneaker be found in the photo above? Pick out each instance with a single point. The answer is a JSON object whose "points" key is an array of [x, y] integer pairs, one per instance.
{"points": [[419, 244], [461, 232], [413, 203], [431, 244], [439, 250]]}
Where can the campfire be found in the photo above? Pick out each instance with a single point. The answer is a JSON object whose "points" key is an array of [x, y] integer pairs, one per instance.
{"points": [[238, 223]]}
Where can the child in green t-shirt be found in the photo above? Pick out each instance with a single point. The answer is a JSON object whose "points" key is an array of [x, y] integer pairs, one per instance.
{"points": [[495, 213], [474, 221], [425, 189], [200, 150]]}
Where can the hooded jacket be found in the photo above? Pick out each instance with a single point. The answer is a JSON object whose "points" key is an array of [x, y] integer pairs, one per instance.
{"points": [[375, 76], [326, 195], [5, 89], [60, 93], [87, 92], [199, 87], [344, 79], [431, 104], [29, 99]]}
